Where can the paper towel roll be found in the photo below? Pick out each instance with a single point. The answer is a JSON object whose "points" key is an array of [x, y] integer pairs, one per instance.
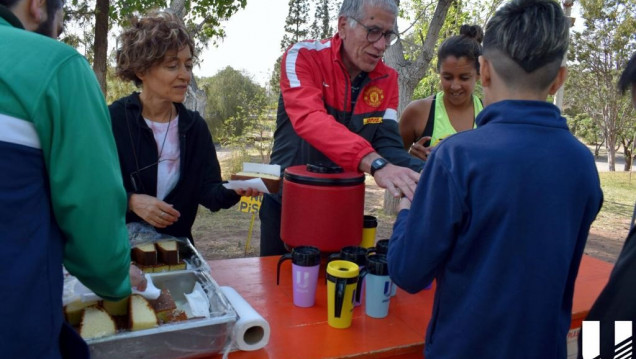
{"points": [[251, 331]]}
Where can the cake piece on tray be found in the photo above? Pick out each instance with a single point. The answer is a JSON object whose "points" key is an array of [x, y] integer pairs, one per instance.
{"points": [[164, 305], [176, 315], [116, 308], [96, 323], [73, 311], [168, 251], [161, 267], [140, 313], [145, 254], [180, 266]]}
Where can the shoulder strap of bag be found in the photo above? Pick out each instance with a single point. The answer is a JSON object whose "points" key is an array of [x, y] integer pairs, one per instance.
{"points": [[430, 123]]}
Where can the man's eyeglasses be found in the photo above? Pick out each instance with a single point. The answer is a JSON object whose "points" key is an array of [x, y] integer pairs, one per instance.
{"points": [[375, 33]]}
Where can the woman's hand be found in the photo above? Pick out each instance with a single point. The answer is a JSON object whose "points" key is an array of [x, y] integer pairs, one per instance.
{"points": [[137, 278], [418, 150], [248, 192], [152, 210]]}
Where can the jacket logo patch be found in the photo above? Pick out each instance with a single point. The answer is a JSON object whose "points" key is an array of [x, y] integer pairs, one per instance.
{"points": [[373, 96], [372, 120]]}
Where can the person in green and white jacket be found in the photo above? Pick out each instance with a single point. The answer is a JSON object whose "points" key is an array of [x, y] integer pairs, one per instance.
{"points": [[61, 195]]}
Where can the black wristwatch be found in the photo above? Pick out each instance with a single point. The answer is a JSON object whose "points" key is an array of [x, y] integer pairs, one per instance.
{"points": [[377, 164]]}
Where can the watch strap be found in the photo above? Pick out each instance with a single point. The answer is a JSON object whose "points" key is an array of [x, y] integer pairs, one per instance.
{"points": [[378, 164]]}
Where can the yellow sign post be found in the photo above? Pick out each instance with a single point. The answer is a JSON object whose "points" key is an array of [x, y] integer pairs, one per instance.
{"points": [[250, 205]]}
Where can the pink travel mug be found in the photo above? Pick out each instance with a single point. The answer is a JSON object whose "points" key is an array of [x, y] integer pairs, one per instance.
{"points": [[305, 268]]}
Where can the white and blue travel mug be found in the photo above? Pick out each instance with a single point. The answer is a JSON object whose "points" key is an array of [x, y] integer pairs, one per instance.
{"points": [[377, 286]]}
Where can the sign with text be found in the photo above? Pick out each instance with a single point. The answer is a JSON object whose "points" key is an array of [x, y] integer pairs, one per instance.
{"points": [[250, 204]]}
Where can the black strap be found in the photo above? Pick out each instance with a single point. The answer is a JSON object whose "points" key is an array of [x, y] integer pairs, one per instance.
{"points": [[430, 123]]}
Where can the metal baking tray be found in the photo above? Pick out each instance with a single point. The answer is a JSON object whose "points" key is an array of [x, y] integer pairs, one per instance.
{"points": [[181, 339], [174, 340]]}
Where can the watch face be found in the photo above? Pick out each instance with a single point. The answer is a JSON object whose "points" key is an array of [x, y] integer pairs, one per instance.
{"points": [[377, 164]]}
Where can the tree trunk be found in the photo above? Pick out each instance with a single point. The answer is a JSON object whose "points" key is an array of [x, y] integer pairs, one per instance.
{"points": [[196, 99], [410, 73], [178, 6], [597, 148], [611, 155], [628, 157], [100, 45]]}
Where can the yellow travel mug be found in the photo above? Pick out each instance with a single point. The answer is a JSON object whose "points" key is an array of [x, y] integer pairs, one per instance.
{"points": [[368, 231], [342, 279]]}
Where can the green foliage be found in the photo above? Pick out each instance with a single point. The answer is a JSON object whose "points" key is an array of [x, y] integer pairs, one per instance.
{"points": [[258, 118], [274, 80], [117, 88], [232, 100], [240, 154], [321, 26], [469, 12], [428, 86], [326, 13], [600, 52], [296, 28], [202, 17], [80, 17], [583, 126]]}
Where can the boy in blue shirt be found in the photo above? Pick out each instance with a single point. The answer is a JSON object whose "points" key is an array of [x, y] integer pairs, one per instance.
{"points": [[501, 214]]}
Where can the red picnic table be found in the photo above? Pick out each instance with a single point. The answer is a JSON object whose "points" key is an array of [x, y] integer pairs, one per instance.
{"points": [[304, 333]]}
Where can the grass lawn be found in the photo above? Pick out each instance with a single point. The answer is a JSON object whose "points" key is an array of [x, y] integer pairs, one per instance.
{"points": [[619, 193]]}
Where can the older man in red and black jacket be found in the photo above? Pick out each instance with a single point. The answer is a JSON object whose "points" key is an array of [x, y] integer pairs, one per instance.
{"points": [[338, 105]]}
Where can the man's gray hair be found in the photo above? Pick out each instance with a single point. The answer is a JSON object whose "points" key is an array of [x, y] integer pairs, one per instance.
{"points": [[355, 8], [531, 33]]}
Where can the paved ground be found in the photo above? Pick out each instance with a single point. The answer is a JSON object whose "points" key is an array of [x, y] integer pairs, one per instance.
{"points": [[601, 163]]}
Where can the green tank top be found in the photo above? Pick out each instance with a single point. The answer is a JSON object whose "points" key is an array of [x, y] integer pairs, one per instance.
{"points": [[442, 127]]}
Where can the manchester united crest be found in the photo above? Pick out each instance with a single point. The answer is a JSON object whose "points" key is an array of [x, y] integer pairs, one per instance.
{"points": [[373, 96]]}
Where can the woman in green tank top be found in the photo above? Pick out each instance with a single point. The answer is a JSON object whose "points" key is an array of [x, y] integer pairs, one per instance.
{"points": [[425, 122]]}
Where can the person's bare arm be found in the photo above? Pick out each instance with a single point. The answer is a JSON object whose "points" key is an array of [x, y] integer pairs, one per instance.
{"points": [[412, 123]]}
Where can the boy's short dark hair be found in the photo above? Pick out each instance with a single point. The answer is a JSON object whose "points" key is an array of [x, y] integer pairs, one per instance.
{"points": [[526, 41]]}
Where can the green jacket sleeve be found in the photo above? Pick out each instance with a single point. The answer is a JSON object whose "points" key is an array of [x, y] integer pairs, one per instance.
{"points": [[88, 197]]}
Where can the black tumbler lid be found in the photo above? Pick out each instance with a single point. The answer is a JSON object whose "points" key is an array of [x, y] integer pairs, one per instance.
{"points": [[382, 246], [377, 264], [306, 256], [370, 221], [355, 254]]}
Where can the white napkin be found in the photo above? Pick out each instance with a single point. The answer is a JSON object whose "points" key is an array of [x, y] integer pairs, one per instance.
{"points": [[198, 302]]}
